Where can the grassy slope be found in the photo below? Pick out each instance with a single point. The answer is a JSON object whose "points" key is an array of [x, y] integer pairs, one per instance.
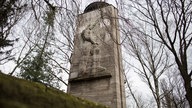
{"points": [[19, 93]]}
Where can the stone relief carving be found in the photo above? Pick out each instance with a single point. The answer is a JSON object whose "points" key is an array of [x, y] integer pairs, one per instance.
{"points": [[90, 61]]}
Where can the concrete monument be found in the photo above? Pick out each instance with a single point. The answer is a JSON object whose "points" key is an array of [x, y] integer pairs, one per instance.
{"points": [[96, 71]]}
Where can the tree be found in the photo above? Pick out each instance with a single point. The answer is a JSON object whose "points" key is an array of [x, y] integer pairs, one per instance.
{"points": [[173, 91], [130, 93], [151, 62], [10, 13], [170, 20], [36, 68], [47, 19]]}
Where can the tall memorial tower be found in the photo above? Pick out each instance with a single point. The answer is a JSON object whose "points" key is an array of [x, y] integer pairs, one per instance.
{"points": [[96, 71]]}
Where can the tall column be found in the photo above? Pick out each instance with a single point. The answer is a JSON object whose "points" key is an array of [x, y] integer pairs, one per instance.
{"points": [[96, 71]]}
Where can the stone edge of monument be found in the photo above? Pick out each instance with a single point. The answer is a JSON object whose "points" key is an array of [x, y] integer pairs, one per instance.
{"points": [[91, 77]]}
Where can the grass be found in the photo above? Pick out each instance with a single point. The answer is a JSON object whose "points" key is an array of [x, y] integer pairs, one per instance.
{"points": [[19, 93]]}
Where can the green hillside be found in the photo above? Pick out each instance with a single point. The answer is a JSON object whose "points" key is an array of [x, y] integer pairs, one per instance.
{"points": [[19, 93]]}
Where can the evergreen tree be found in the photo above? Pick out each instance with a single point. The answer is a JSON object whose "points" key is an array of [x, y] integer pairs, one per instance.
{"points": [[36, 68]]}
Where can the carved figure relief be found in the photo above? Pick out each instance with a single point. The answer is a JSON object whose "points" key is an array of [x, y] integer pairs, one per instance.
{"points": [[90, 62]]}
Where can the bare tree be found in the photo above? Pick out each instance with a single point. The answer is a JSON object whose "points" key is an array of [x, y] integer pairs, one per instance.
{"points": [[173, 91], [170, 20], [152, 61], [131, 93]]}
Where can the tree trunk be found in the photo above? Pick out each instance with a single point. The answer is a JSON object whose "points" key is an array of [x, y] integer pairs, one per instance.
{"points": [[188, 89], [187, 83]]}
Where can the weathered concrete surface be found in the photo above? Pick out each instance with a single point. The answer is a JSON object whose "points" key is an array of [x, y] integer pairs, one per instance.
{"points": [[19, 93], [96, 71]]}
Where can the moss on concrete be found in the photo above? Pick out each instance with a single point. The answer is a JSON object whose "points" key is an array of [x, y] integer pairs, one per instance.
{"points": [[19, 93]]}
